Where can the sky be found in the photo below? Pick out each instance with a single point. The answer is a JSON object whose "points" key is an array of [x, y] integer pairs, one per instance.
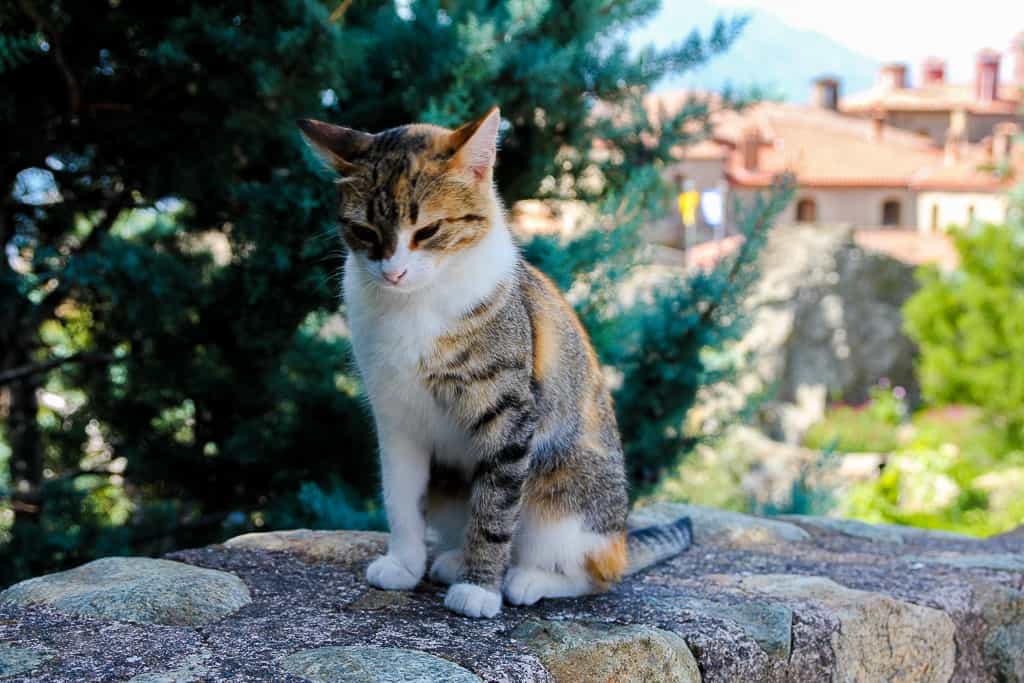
{"points": [[905, 30]]}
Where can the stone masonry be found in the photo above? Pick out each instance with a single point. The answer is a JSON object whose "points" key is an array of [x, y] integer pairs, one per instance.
{"points": [[756, 599]]}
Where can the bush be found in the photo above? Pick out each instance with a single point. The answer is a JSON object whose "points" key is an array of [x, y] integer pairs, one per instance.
{"points": [[869, 428], [952, 475], [969, 324]]}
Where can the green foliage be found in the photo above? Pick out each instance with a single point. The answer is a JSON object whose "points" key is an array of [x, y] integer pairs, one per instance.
{"points": [[15, 50], [869, 428], [167, 231], [969, 325], [333, 507], [952, 474], [963, 469]]}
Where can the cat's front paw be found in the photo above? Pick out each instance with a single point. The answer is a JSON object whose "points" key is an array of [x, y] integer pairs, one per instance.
{"points": [[388, 572], [471, 600], [447, 568], [525, 586]]}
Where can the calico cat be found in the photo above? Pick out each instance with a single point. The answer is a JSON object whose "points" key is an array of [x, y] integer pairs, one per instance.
{"points": [[493, 418]]}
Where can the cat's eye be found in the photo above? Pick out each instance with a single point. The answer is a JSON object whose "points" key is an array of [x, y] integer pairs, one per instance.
{"points": [[364, 233], [424, 234]]}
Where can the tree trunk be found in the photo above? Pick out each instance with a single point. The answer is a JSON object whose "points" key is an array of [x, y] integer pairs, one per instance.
{"points": [[26, 464]]}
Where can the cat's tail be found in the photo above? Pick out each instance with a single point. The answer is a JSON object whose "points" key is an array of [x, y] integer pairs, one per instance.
{"points": [[650, 545]]}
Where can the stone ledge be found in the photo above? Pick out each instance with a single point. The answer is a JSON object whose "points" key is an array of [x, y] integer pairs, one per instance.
{"points": [[795, 599]]}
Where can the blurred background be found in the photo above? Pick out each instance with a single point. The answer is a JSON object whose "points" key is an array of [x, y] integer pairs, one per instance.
{"points": [[795, 234]]}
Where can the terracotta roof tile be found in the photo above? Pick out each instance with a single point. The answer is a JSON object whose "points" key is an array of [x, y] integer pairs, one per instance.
{"points": [[933, 97], [830, 149]]}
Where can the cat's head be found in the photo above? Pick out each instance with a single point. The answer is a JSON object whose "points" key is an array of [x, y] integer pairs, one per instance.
{"points": [[411, 199]]}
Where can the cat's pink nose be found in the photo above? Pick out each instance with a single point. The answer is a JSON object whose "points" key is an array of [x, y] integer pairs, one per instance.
{"points": [[394, 278]]}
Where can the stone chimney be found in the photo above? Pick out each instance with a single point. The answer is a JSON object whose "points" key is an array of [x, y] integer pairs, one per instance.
{"points": [[750, 143], [933, 71], [986, 76], [893, 76], [826, 93]]}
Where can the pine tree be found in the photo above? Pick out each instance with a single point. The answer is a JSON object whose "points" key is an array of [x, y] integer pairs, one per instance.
{"points": [[171, 264]]}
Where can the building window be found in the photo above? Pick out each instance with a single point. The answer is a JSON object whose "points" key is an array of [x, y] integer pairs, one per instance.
{"points": [[935, 218], [970, 215], [806, 211], [890, 212]]}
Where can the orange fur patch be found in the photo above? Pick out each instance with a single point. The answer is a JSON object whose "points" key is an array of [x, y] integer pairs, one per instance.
{"points": [[607, 566], [545, 345], [545, 495]]}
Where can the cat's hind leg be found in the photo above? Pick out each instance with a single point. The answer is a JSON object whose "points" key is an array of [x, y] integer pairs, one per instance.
{"points": [[562, 559]]}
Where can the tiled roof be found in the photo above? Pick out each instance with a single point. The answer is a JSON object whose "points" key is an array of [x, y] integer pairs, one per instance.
{"points": [[935, 97], [829, 149]]}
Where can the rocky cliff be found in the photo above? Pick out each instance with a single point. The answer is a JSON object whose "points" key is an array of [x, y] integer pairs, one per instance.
{"points": [[825, 324], [756, 599]]}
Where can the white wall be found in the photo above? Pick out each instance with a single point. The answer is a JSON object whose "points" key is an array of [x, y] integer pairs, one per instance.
{"points": [[954, 208], [861, 207]]}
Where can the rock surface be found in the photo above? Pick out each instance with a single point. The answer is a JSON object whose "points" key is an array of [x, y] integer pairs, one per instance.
{"points": [[825, 322], [573, 651], [136, 589], [754, 600], [376, 664], [919, 640]]}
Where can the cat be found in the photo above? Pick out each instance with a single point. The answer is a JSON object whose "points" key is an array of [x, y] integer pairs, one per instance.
{"points": [[493, 418]]}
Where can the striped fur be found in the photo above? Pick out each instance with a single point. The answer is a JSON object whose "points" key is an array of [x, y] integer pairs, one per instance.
{"points": [[494, 421]]}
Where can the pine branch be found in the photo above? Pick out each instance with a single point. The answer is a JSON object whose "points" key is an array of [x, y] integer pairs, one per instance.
{"points": [[48, 305], [21, 372], [339, 13]]}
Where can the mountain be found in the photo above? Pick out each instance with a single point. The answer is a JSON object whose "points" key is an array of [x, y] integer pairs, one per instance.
{"points": [[777, 58]]}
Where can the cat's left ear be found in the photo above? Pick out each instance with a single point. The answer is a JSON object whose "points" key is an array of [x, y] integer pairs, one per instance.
{"points": [[337, 146], [476, 144]]}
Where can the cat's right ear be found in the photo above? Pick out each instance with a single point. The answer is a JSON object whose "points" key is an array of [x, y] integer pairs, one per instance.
{"points": [[336, 145]]}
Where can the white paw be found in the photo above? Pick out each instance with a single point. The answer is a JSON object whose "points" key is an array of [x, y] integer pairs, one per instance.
{"points": [[389, 573], [472, 601], [447, 568], [525, 586]]}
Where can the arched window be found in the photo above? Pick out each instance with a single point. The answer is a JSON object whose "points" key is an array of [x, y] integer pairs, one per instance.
{"points": [[806, 211], [891, 212], [935, 218]]}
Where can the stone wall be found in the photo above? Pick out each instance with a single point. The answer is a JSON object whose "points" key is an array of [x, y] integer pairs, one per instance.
{"points": [[755, 599]]}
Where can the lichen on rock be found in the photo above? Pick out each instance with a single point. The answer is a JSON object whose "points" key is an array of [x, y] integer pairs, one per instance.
{"points": [[374, 665], [136, 589]]}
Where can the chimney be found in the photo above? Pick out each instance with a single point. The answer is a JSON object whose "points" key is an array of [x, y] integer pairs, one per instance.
{"points": [[1002, 142], [986, 76], [933, 71], [893, 76], [750, 143], [826, 93]]}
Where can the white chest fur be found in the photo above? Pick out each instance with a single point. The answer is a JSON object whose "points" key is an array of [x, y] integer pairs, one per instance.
{"points": [[392, 330]]}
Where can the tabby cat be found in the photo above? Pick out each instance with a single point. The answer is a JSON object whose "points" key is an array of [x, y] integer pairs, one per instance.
{"points": [[493, 418]]}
